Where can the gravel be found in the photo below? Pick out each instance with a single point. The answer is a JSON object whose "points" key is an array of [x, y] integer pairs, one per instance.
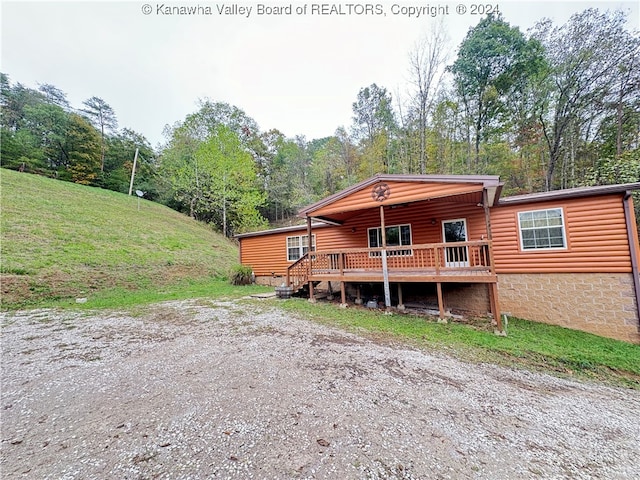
{"points": [[190, 390]]}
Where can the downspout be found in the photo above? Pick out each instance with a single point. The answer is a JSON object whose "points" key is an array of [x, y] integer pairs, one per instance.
{"points": [[632, 235]]}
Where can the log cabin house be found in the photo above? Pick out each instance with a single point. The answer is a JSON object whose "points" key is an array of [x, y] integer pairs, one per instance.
{"points": [[565, 257]]}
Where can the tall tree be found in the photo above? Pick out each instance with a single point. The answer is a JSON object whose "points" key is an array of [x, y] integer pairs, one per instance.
{"points": [[229, 182], [493, 60], [104, 118], [374, 123], [589, 56], [426, 67], [373, 112], [54, 95], [82, 149], [119, 163]]}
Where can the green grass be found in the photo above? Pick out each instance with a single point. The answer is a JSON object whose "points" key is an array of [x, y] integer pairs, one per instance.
{"points": [[61, 240], [115, 298], [530, 345]]}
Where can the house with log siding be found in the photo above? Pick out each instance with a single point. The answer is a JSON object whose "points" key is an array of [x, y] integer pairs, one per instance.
{"points": [[566, 257]]}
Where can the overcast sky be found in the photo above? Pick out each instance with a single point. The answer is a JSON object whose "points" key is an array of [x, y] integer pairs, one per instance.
{"points": [[299, 73]]}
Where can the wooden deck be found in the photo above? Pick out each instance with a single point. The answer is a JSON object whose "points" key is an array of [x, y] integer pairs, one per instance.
{"points": [[462, 262], [405, 276]]}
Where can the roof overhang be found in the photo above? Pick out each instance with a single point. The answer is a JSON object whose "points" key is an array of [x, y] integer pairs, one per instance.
{"points": [[292, 228], [569, 193], [393, 190]]}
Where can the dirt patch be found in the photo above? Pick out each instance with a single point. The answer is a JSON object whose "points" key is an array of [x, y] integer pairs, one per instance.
{"points": [[230, 390]]}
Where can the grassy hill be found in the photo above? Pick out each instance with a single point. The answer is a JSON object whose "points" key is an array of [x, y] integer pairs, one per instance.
{"points": [[62, 240]]}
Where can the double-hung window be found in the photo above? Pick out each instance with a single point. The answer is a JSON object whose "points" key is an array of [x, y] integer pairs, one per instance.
{"points": [[397, 236], [298, 245], [542, 229]]}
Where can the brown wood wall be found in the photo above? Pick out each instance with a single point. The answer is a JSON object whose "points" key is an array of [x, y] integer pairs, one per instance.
{"points": [[596, 235], [268, 253], [595, 230]]}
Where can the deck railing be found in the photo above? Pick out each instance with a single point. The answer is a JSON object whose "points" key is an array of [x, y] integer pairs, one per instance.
{"points": [[298, 272], [470, 258]]}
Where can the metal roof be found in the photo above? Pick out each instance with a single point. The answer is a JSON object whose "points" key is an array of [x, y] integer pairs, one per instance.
{"points": [[292, 228], [569, 193]]}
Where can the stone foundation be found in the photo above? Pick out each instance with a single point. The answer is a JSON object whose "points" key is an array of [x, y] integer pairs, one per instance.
{"points": [[600, 303]]}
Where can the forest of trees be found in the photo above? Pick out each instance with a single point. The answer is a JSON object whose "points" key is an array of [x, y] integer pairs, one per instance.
{"points": [[551, 108]]}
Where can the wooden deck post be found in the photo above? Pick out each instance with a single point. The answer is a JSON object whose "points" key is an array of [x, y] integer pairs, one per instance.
{"points": [[400, 304], [343, 292], [487, 216], [385, 268], [309, 266], [440, 300], [358, 295]]}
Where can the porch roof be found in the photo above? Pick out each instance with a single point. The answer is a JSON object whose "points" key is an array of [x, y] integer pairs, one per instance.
{"points": [[389, 190]]}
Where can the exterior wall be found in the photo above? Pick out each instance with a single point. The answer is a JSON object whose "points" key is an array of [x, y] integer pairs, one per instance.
{"points": [[267, 254], [599, 303], [596, 233]]}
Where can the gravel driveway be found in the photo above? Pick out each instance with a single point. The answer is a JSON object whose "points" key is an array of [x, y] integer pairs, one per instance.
{"points": [[192, 390]]}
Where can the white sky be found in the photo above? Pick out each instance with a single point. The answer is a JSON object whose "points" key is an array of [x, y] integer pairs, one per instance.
{"points": [[297, 73]]}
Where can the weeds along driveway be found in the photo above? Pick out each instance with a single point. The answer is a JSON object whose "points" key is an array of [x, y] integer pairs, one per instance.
{"points": [[240, 390]]}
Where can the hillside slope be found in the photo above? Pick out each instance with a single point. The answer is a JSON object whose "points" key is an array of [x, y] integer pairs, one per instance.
{"points": [[63, 240]]}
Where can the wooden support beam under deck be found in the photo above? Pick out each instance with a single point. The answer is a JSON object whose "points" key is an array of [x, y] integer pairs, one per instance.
{"points": [[310, 266], [440, 300], [400, 303]]}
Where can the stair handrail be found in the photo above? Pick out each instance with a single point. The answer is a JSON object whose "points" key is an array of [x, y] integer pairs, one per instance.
{"points": [[299, 271]]}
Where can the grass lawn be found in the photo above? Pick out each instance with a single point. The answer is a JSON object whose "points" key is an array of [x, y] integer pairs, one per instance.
{"points": [[61, 240]]}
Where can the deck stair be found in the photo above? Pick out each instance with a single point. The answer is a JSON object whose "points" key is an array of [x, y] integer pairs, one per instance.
{"points": [[298, 273]]}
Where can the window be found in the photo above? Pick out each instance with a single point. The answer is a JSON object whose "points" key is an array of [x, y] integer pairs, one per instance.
{"points": [[299, 245], [542, 229], [398, 235]]}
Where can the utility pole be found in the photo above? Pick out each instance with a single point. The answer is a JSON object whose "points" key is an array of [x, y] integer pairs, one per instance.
{"points": [[133, 171]]}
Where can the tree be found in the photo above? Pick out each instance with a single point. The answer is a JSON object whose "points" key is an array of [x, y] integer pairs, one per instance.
{"points": [[104, 118], [426, 62], [54, 96], [372, 112], [229, 182], [119, 163], [180, 165], [493, 60], [374, 123], [82, 149], [592, 60]]}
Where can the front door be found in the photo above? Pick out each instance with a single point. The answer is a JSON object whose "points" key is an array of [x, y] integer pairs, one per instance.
{"points": [[455, 231]]}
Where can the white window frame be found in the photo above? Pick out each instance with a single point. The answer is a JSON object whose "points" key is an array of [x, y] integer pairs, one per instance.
{"points": [[407, 252], [536, 248], [302, 245]]}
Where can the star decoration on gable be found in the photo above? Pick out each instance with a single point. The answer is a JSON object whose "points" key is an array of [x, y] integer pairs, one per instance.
{"points": [[381, 192]]}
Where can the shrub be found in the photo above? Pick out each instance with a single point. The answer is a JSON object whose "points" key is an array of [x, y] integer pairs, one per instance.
{"points": [[241, 275]]}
